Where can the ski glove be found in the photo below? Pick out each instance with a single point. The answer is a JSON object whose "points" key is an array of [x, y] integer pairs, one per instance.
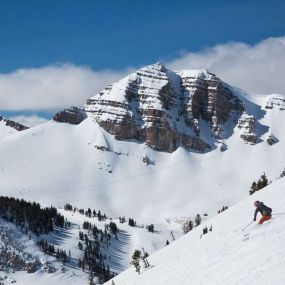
{"points": [[254, 220]]}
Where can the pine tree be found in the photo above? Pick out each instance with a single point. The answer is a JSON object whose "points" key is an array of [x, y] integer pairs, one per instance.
{"points": [[264, 180], [261, 183], [136, 260], [150, 228], [187, 226], [99, 215], [80, 245], [198, 220], [253, 188], [91, 278]]}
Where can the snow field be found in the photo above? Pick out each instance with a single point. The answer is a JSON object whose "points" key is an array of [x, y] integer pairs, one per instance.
{"points": [[227, 255]]}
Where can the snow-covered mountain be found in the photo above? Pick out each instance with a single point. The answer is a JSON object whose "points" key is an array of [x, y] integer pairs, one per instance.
{"points": [[158, 146], [84, 162], [8, 127], [227, 254]]}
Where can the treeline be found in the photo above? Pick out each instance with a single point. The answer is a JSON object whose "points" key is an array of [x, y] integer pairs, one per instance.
{"points": [[30, 215], [88, 213], [259, 184], [188, 225], [224, 208]]}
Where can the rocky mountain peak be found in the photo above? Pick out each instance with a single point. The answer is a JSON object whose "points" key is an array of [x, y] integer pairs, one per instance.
{"points": [[164, 108], [158, 66]]}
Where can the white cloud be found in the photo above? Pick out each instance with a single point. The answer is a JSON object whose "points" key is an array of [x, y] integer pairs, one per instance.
{"points": [[29, 121], [52, 87], [259, 68]]}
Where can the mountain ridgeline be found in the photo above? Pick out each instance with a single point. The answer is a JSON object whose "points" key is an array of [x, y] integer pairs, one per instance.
{"points": [[164, 109], [12, 124]]}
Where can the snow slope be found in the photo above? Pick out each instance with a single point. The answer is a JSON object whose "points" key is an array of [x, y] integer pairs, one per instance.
{"points": [[6, 130], [13, 240], [57, 163], [227, 255]]}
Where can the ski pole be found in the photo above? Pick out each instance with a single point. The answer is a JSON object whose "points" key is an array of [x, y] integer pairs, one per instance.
{"points": [[247, 225], [278, 214]]}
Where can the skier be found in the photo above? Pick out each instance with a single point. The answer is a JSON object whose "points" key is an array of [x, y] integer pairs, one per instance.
{"points": [[264, 210]]}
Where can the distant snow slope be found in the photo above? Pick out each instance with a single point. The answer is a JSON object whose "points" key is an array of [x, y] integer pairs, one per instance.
{"points": [[5, 130], [227, 255], [56, 163], [8, 127]]}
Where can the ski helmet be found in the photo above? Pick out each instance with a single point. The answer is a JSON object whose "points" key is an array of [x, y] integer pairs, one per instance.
{"points": [[256, 203]]}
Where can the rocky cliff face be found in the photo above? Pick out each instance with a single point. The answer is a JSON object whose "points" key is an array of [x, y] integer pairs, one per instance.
{"points": [[73, 116], [165, 109], [13, 124]]}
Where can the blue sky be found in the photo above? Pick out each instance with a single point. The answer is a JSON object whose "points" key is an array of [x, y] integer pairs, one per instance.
{"points": [[119, 33], [57, 53]]}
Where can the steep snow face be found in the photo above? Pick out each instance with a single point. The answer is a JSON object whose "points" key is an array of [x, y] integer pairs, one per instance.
{"points": [[166, 109], [226, 255], [8, 127]]}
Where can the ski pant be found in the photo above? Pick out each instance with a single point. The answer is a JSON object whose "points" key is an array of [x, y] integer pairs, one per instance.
{"points": [[264, 218]]}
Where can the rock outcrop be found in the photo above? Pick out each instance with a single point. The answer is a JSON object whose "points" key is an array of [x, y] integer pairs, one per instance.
{"points": [[247, 126], [275, 101], [271, 139], [164, 108], [13, 124], [73, 116]]}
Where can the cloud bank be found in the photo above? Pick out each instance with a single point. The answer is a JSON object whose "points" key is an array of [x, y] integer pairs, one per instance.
{"points": [[259, 68], [29, 121], [52, 87]]}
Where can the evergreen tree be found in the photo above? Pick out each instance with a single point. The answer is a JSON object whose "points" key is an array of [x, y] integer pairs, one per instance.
{"points": [[99, 215], [132, 223], [113, 228], [136, 260], [264, 181], [205, 230], [187, 226], [150, 228], [91, 278], [198, 220], [253, 188], [261, 183], [80, 245]]}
